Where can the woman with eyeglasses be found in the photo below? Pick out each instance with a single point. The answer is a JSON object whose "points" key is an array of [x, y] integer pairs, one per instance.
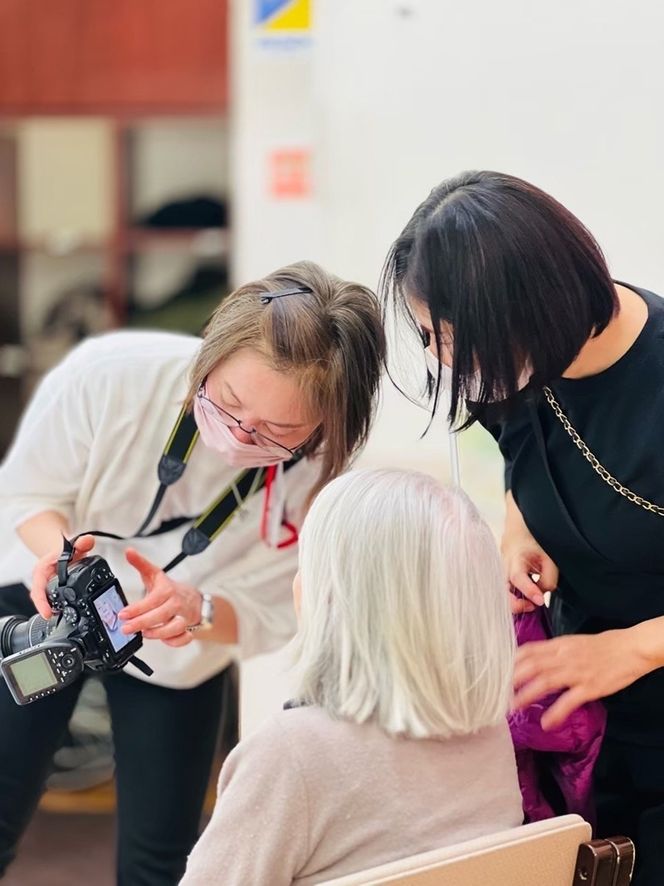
{"points": [[522, 323], [237, 432]]}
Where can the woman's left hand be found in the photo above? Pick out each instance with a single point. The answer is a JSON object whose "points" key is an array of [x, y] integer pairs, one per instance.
{"points": [[167, 608], [587, 666]]}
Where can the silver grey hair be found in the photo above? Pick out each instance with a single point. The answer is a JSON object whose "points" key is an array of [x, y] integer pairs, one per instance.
{"points": [[404, 613]]}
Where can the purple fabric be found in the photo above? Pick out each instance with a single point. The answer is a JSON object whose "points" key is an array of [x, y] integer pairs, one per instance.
{"points": [[568, 752]]}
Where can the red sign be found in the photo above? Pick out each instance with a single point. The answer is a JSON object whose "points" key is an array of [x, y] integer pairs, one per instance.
{"points": [[290, 173]]}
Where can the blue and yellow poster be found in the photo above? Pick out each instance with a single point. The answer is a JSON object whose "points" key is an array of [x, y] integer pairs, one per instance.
{"points": [[283, 16]]}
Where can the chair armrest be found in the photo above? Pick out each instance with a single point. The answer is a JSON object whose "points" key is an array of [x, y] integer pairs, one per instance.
{"points": [[605, 862]]}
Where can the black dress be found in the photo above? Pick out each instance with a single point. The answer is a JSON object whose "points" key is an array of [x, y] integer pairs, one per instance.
{"points": [[609, 551]]}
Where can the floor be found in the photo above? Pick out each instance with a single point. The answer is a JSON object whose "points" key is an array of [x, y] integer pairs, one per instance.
{"points": [[71, 839], [65, 850]]}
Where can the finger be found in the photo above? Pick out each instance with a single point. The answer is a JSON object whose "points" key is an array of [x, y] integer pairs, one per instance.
{"points": [[548, 574], [83, 546], [533, 659], [155, 618], [43, 571], [182, 640], [519, 605], [148, 571], [524, 583], [149, 606], [538, 688], [563, 707], [175, 627], [39, 598]]}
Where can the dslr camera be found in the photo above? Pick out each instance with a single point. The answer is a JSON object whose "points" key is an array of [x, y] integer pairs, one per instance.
{"points": [[40, 656]]}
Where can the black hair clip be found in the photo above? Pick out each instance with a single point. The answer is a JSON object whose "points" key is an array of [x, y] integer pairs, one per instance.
{"points": [[283, 293]]}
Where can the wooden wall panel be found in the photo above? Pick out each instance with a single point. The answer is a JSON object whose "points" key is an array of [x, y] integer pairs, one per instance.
{"points": [[106, 56]]}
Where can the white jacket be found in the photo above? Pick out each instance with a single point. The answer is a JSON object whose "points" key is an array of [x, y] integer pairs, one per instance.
{"points": [[88, 447]]}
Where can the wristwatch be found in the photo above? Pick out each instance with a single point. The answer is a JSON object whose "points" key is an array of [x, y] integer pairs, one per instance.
{"points": [[207, 615]]}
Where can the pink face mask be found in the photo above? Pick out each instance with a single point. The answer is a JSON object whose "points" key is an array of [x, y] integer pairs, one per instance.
{"points": [[216, 435]]}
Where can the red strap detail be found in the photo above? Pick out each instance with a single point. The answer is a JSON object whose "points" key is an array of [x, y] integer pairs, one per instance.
{"points": [[292, 538], [270, 474]]}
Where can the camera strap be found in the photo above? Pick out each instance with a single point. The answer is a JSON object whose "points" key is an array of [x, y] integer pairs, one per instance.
{"points": [[210, 523]]}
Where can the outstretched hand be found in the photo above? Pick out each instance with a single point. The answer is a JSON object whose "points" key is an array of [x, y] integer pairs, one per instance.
{"points": [[167, 609]]}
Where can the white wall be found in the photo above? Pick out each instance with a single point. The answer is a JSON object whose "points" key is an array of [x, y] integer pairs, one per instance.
{"points": [[404, 93], [567, 95]]}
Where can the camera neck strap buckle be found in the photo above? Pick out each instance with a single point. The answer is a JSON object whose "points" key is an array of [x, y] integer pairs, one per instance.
{"points": [[64, 560]]}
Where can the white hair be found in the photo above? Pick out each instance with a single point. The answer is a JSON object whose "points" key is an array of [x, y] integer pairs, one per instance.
{"points": [[404, 612]]}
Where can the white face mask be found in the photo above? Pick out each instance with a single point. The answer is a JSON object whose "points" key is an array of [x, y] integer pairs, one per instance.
{"points": [[435, 366], [475, 381]]}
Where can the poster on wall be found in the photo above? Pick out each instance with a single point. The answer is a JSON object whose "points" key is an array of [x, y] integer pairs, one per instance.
{"points": [[283, 25], [289, 172]]}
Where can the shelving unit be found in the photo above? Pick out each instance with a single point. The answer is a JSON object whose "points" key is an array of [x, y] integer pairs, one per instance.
{"points": [[145, 81]]}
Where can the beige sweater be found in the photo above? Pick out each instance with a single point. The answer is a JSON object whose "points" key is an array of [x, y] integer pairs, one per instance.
{"points": [[308, 798]]}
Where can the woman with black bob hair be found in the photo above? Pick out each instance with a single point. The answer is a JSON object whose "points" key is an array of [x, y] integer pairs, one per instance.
{"points": [[522, 323]]}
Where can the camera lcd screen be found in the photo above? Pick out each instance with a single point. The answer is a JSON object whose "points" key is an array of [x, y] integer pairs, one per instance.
{"points": [[33, 674], [108, 605]]}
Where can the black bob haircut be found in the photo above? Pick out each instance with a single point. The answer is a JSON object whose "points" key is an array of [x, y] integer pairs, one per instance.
{"points": [[517, 278]]}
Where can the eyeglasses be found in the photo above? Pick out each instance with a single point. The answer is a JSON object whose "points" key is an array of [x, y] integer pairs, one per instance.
{"points": [[230, 421]]}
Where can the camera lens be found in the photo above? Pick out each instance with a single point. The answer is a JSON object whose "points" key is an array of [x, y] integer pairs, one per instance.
{"points": [[7, 626], [18, 633]]}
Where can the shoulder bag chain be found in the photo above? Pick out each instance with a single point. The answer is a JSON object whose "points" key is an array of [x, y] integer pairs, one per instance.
{"points": [[595, 463]]}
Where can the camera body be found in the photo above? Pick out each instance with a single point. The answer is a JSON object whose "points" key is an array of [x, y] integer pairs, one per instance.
{"points": [[42, 657]]}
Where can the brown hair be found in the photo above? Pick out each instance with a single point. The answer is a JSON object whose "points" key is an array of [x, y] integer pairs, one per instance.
{"points": [[330, 338]]}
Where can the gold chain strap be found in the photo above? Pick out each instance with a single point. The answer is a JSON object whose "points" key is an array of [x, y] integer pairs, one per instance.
{"points": [[592, 459]]}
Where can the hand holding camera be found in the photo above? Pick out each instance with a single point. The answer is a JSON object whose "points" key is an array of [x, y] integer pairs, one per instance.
{"points": [[41, 656], [45, 569]]}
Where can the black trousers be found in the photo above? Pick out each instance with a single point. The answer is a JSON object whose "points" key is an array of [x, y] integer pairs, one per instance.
{"points": [[629, 790], [164, 747]]}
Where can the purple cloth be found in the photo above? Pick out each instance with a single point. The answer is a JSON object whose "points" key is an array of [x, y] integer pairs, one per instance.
{"points": [[567, 754]]}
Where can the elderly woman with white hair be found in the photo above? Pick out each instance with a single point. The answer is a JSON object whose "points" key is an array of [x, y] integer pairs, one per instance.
{"points": [[397, 741]]}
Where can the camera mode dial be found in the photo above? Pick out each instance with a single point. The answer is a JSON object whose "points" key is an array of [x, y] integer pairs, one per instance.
{"points": [[70, 615]]}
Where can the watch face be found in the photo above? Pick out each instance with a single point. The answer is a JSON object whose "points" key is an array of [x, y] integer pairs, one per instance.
{"points": [[207, 611]]}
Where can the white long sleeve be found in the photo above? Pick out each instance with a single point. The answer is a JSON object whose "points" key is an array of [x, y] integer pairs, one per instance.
{"points": [[88, 447]]}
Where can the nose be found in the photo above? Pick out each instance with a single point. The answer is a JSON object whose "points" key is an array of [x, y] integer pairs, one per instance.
{"points": [[242, 435]]}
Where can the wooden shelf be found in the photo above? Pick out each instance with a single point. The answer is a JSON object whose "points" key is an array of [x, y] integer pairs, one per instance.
{"points": [[199, 241], [55, 247]]}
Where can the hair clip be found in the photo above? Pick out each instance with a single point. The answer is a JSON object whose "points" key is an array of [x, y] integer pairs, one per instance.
{"points": [[283, 293]]}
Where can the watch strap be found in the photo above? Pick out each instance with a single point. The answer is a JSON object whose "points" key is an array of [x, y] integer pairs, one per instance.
{"points": [[207, 614]]}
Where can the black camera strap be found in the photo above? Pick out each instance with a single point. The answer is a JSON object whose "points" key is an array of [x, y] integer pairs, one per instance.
{"points": [[173, 462], [209, 524]]}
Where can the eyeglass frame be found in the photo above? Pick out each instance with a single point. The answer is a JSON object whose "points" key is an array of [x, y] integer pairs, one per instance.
{"points": [[238, 422]]}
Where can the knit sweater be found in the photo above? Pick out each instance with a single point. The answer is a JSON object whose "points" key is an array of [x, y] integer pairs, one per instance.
{"points": [[308, 798]]}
